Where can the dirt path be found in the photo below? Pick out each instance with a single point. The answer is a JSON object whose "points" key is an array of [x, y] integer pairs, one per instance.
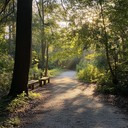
{"points": [[71, 105]]}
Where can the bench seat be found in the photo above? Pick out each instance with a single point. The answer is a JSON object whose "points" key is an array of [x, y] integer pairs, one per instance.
{"points": [[44, 79], [31, 83]]}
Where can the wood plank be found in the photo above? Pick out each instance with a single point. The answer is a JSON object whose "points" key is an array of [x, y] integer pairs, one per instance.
{"points": [[44, 78], [33, 81]]}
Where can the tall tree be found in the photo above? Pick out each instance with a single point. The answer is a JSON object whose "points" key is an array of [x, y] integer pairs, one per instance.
{"points": [[40, 6], [106, 42], [23, 48]]}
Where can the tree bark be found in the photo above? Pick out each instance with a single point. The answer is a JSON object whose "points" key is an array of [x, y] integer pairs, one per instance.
{"points": [[43, 43], [40, 8], [47, 57], [23, 48]]}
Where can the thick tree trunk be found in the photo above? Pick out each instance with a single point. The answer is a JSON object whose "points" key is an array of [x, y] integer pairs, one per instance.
{"points": [[23, 48]]}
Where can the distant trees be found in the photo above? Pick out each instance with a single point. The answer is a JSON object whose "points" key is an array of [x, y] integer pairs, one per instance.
{"points": [[23, 48]]}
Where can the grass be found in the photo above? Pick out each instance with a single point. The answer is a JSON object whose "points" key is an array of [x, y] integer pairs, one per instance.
{"points": [[9, 109], [33, 96], [12, 122]]}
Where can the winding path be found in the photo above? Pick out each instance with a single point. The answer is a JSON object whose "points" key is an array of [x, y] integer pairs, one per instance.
{"points": [[71, 105]]}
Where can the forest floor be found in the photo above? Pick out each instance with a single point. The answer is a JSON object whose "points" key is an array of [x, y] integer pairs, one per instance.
{"points": [[68, 103]]}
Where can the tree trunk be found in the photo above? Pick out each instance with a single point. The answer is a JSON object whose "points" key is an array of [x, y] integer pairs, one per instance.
{"points": [[47, 57], [114, 78], [23, 48], [40, 8], [43, 37]]}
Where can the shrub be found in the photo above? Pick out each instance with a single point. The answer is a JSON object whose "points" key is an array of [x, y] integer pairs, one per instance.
{"points": [[105, 79], [89, 74], [9, 108], [22, 100], [6, 63], [6, 67], [33, 95], [100, 61], [35, 72], [54, 72], [82, 64], [5, 81], [106, 89]]}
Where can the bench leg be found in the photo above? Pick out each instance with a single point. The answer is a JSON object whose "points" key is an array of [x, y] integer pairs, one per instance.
{"points": [[29, 86], [32, 86], [48, 80], [44, 82], [40, 83]]}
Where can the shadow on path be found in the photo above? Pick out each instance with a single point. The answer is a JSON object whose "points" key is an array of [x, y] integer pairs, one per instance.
{"points": [[71, 106]]}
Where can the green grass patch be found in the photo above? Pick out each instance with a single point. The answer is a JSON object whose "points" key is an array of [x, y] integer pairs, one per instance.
{"points": [[33, 95]]}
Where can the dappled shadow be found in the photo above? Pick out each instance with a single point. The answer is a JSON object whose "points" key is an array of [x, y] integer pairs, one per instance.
{"points": [[71, 105]]}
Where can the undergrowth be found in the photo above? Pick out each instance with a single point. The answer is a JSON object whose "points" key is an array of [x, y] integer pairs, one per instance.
{"points": [[9, 106]]}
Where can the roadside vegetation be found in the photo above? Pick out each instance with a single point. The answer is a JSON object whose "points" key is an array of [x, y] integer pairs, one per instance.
{"points": [[11, 110]]}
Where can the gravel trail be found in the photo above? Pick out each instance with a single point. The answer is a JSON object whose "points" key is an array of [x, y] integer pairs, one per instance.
{"points": [[71, 105]]}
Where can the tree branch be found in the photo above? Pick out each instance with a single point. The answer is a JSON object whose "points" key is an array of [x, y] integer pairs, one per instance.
{"points": [[6, 16], [4, 6], [39, 11], [10, 11]]}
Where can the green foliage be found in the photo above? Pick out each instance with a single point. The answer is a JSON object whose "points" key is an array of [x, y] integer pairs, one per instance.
{"points": [[6, 63], [91, 68], [100, 61], [21, 100], [13, 121], [106, 89], [6, 66], [89, 74], [105, 79], [33, 95], [17, 102], [5, 81], [113, 90], [106, 86], [9, 105], [54, 72], [35, 72]]}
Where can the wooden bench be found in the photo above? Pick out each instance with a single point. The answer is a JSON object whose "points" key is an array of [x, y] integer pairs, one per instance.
{"points": [[44, 79], [31, 83]]}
